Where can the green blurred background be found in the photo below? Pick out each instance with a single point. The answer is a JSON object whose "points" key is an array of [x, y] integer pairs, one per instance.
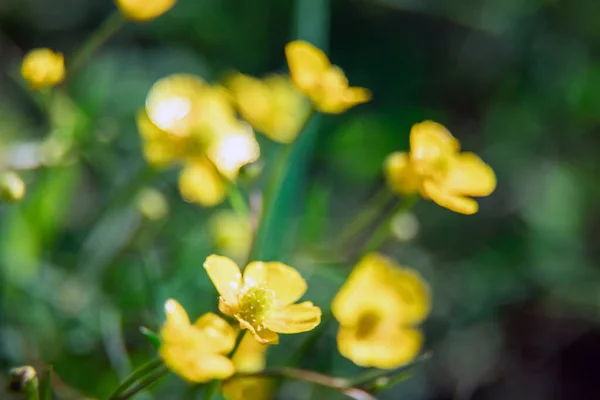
{"points": [[516, 287]]}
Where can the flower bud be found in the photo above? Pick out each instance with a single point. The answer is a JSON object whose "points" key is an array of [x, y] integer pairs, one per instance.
{"points": [[23, 380], [152, 204], [43, 68], [144, 10], [12, 187]]}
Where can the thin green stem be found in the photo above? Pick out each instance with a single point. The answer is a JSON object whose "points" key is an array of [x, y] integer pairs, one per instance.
{"points": [[341, 385], [150, 379], [273, 191], [369, 214], [108, 28], [237, 200], [373, 380], [383, 230], [139, 373]]}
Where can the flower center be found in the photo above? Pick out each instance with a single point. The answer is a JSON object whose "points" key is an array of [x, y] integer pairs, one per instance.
{"points": [[255, 302], [367, 324]]}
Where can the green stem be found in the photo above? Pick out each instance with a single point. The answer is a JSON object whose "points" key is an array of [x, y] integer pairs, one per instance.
{"points": [[383, 231], [374, 380], [341, 385], [135, 376], [273, 191], [366, 217], [237, 200], [108, 28], [150, 379]]}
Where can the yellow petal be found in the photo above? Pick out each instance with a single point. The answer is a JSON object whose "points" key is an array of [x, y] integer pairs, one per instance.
{"points": [[262, 335], [176, 314], [200, 183], [468, 175], [43, 68], [386, 348], [307, 64], [286, 282], [248, 388], [294, 318], [160, 148], [233, 149], [200, 367], [430, 144], [400, 175], [144, 11], [218, 332], [413, 293], [172, 103], [225, 275], [459, 204], [250, 356]]}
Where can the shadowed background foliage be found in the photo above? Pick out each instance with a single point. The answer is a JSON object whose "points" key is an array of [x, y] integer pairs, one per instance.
{"points": [[516, 286]]}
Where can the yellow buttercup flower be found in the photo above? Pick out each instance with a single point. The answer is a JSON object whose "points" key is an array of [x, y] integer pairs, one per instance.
{"points": [[250, 357], [262, 300], [272, 106], [325, 84], [437, 169], [43, 68], [231, 233], [378, 308], [189, 122], [144, 10], [197, 352]]}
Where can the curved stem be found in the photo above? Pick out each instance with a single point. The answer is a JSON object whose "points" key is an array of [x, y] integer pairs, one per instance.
{"points": [[372, 380], [108, 28], [341, 385], [237, 200], [139, 373], [150, 379]]}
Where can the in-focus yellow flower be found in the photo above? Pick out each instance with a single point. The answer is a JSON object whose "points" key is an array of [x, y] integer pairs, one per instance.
{"points": [[378, 308], [144, 10], [250, 357], [12, 187], [272, 106], [43, 68], [196, 352], [437, 169], [325, 84], [263, 299], [231, 233]]}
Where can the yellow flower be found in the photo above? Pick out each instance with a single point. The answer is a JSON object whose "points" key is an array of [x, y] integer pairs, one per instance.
{"points": [[144, 10], [378, 308], [43, 68], [152, 204], [189, 122], [272, 106], [231, 233], [201, 183], [325, 84], [437, 169], [197, 352], [12, 187], [263, 299], [250, 357]]}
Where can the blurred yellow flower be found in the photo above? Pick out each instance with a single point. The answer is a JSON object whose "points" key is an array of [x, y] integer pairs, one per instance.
{"points": [[144, 10], [437, 169], [197, 352], [201, 183], [43, 68], [378, 308], [231, 233], [263, 299], [152, 204], [325, 84], [250, 357], [189, 122], [272, 106], [12, 187]]}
